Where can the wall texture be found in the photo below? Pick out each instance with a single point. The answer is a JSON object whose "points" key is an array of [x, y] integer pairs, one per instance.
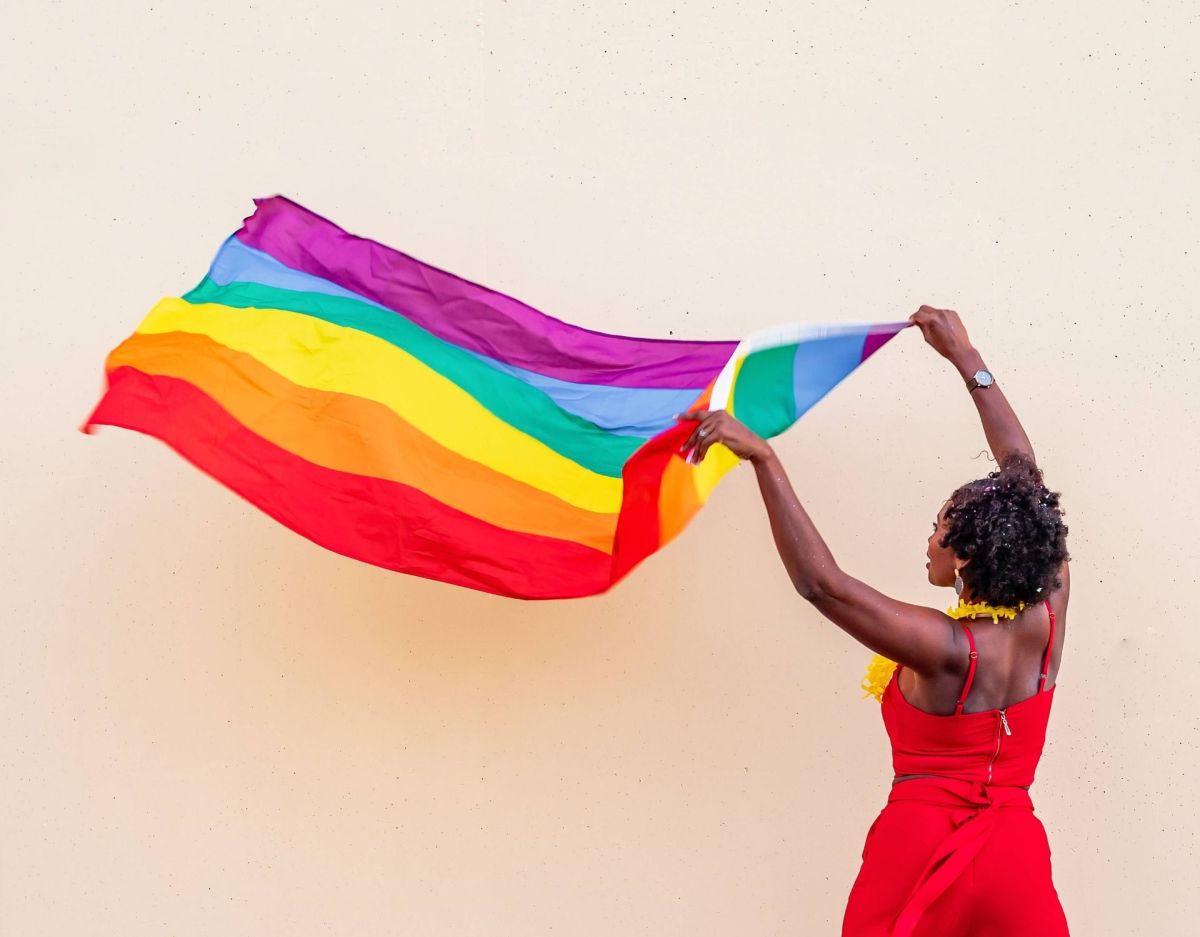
{"points": [[212, 726]]}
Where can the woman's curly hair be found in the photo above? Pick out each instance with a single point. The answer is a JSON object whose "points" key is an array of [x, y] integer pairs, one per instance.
{"points": [[1010, 527]]}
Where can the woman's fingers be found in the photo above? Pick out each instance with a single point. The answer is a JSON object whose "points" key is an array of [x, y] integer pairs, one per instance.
{"points": [[942, 328], [713, 426], [702, 437], [702, 449], [705, 422], [690, 415], [925, 319], [719, 427], [690, 441], [693, 438]]}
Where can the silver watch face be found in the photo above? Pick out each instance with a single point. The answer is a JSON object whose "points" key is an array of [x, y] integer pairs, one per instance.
{"points": [[984, 378]]}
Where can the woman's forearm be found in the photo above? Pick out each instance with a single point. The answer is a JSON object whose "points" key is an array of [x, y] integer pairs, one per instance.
{"points": [[805, 555], [1003, 430]]}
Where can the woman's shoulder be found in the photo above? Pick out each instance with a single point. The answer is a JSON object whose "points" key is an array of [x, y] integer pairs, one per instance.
{"points": [[1058, 603], [1061, 595]]}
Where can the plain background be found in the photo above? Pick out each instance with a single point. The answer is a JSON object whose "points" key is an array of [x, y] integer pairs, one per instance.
{"points": [[212, 726]]}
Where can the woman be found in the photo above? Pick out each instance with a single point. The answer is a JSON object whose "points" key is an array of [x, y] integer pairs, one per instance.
{"points": [[956, 850]]}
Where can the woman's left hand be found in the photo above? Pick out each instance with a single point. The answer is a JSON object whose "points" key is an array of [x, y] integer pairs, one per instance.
{"points": [[720, 426]]}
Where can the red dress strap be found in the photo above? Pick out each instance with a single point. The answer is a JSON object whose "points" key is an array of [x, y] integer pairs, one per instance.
{"points": [[966, 690], [1049, 647]]}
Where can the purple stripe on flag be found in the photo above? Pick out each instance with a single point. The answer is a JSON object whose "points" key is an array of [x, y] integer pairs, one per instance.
{"points": [[473, 316], [880, 336]]}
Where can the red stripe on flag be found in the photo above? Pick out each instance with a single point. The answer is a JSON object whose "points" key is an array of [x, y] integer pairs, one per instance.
{"points": [[378, 521]]}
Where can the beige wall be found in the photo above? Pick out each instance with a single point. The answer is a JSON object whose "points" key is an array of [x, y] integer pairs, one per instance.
{"points": [[212, 726]]}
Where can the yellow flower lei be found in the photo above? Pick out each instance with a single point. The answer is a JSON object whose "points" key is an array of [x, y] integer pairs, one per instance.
{"points": [[879, 674], [880, 670], [975, 609]]}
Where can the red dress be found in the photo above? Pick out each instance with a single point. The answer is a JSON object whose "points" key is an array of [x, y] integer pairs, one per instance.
{"points": [[960, 854]]}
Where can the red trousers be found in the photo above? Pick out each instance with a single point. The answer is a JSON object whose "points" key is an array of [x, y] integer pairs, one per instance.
{"points": [[949, 858]]}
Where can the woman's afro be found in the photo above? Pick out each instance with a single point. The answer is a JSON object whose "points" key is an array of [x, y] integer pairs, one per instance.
{"points": [[1010, 528]]}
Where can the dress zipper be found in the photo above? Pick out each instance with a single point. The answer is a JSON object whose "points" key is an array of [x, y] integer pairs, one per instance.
{"points": [[1007, 731]]}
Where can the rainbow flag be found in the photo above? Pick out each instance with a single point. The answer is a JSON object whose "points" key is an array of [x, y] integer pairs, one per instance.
{"points": [[406, 417]]}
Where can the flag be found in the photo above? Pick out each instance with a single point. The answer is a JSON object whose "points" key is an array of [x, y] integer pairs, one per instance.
{"points": [[401, 415]]}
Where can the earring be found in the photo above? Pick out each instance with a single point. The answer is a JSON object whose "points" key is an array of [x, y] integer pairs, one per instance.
{"points": [[958, 582]]}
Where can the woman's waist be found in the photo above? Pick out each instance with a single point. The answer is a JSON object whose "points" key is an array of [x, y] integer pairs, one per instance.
{"points": [[950, 791], [1010, 768]]}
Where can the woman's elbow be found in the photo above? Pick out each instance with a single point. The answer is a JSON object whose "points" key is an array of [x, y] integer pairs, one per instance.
{"points": [[812, 594], [812, 590]]}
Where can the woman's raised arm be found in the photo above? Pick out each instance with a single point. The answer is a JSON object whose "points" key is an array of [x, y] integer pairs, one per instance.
{"points": [[943, 329], [921, 638]]}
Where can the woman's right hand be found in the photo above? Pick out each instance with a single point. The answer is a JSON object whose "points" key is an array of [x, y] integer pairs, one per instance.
{"points": [[943, 329]]}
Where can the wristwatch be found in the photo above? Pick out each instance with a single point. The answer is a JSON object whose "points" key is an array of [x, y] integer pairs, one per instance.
{"points": [[981, 378]]}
